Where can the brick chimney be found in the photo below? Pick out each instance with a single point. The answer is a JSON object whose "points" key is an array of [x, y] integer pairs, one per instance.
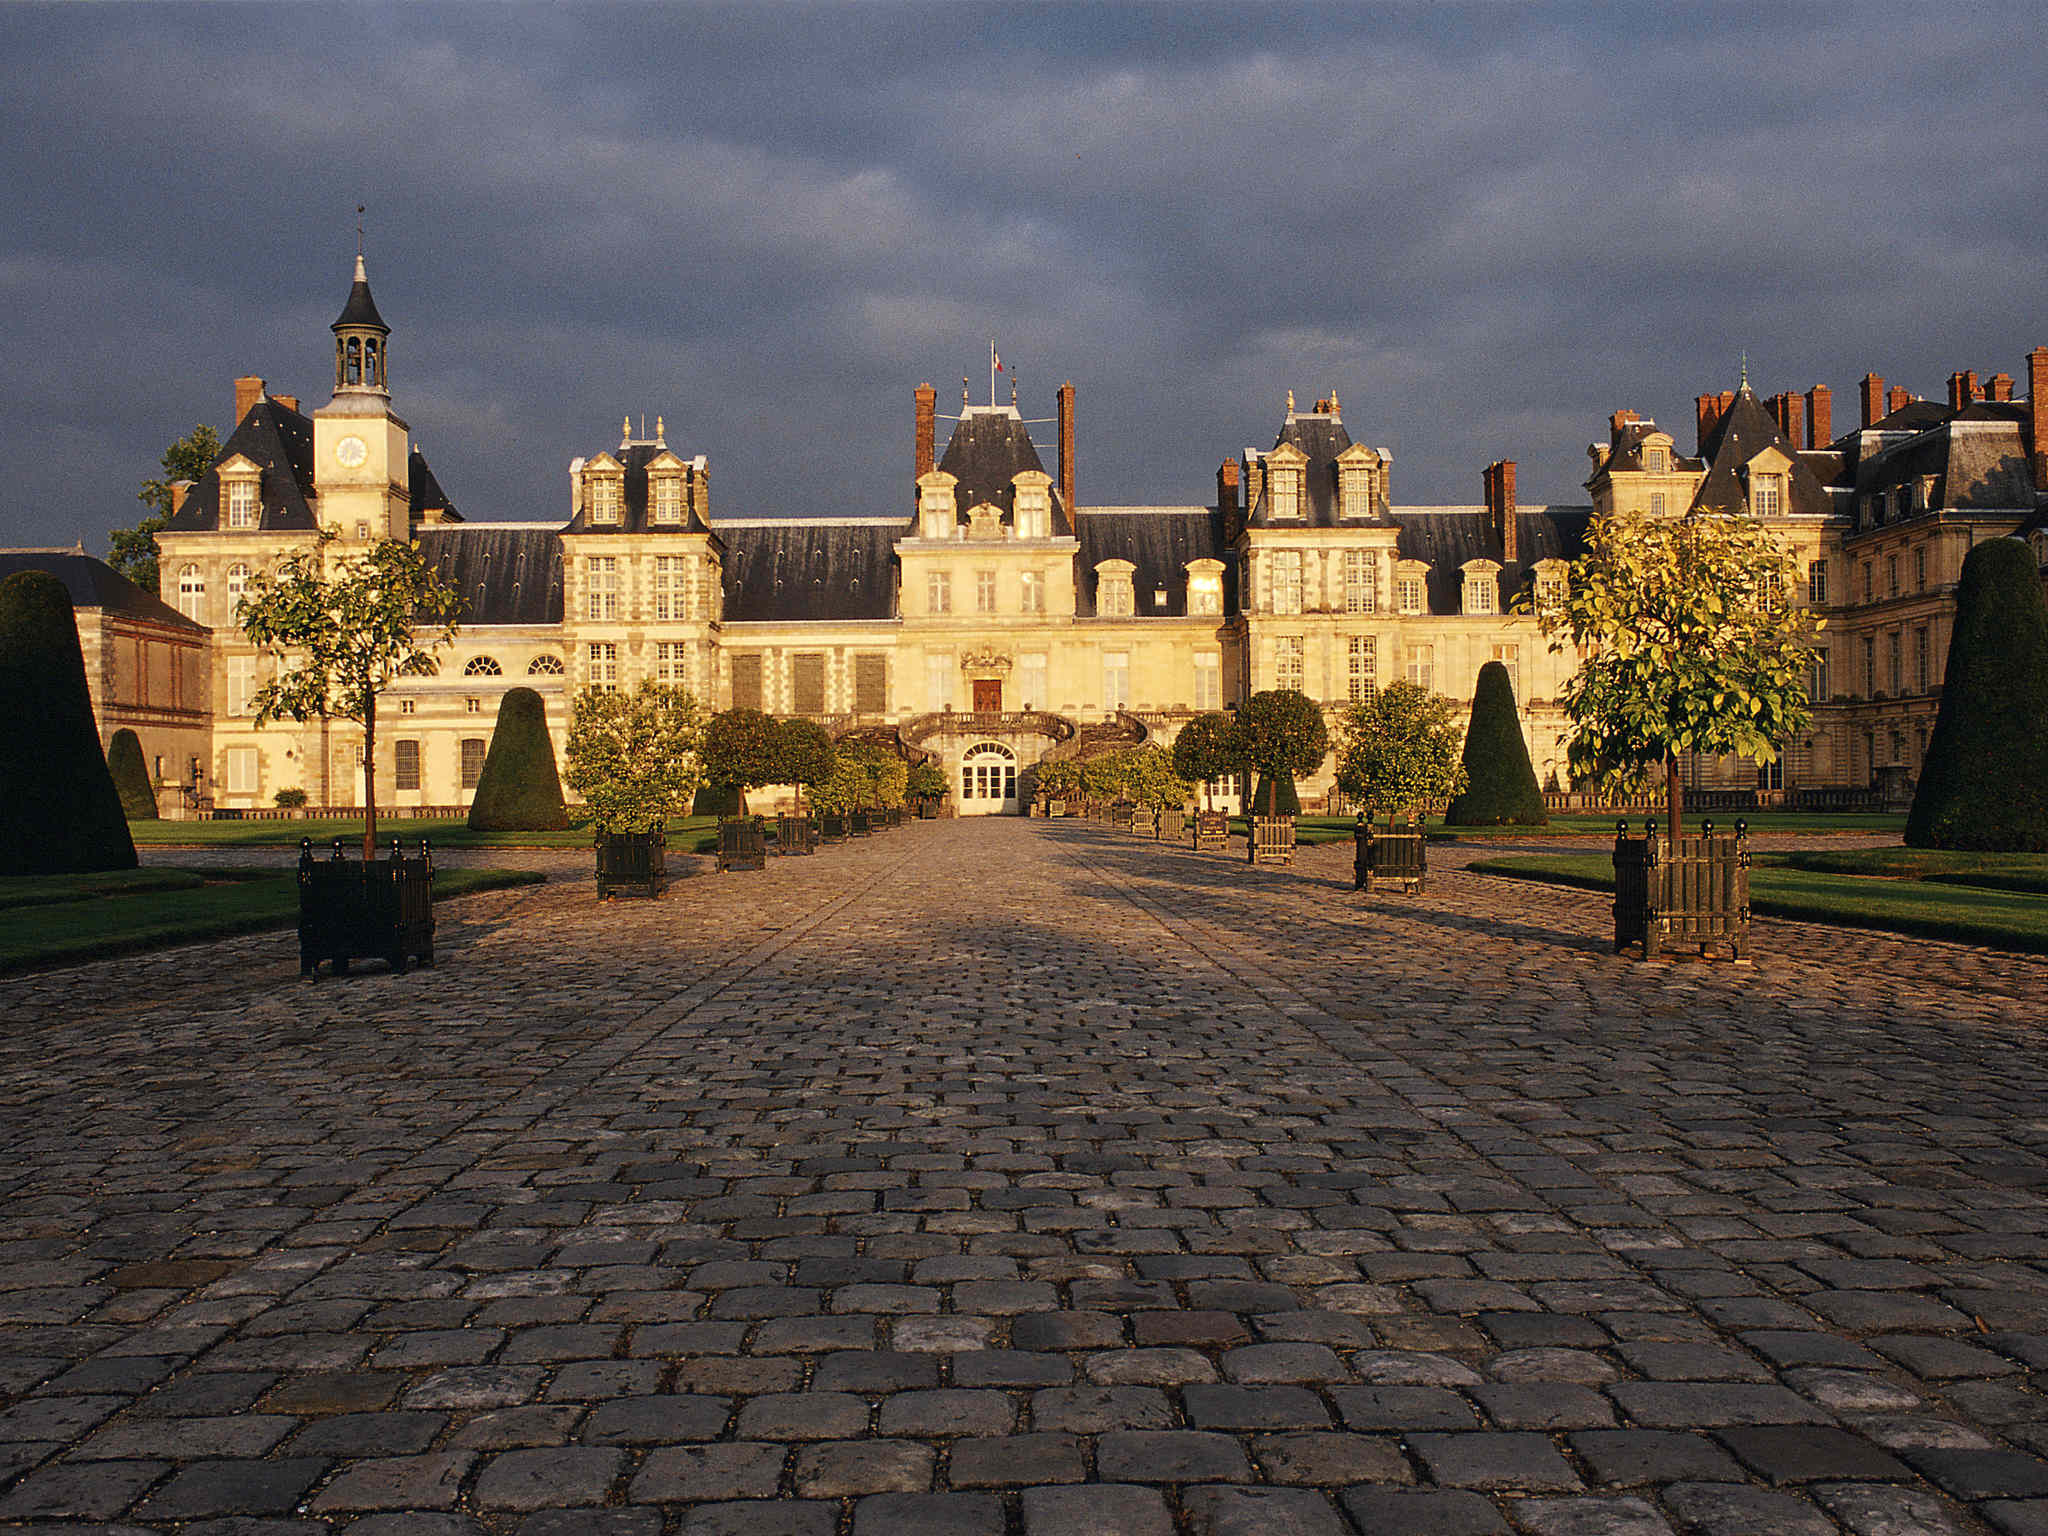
{"points": [[1898, 399], [1958, 391], [927, 404], [1622, 419], [1820, 417], [1499, 480], [2037, 412], [1873, 399], [1226, 498], [1789, 409], [1999, 387], [1709, 409], [289, 402], [180, 489], [1066, 448], [248, 390], [1972, 391]]}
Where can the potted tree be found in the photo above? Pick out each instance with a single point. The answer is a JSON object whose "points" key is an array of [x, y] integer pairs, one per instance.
{"points": [[336, 628], [1281, 732], [1206, 749], [806, 756], [888, 779], [926, 786], [1397, 749], [635, 759], [1059, 781], [835, 796], [743, 751], [1686, 643], [1161, 791]]}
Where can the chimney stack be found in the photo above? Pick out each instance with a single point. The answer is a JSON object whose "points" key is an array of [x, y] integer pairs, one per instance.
{"points": [[1789, 410], [1499, 480], [927, 404], [1622, 419], [1820, 416], [2037, 412], [1226, 498], [1873, 399], [1958, 391], [1971, 392], [1708, 408], [1898, 399], [1999, 387], [289, 402], [248, 390], [180, 489], [1066, 427]]}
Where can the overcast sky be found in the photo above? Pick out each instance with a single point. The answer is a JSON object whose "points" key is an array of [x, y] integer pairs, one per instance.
{"points": [[1486, 226]]}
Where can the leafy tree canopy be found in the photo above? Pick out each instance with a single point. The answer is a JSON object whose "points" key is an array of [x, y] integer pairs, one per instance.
{"points": [[1687, 643], [1281, 732], [926, 781], [635, 758], [1145, 775], [804, 752], [743, 747], [132, 551], [1059, 777], [1398, 748], [1208, 747], [337, 627]]}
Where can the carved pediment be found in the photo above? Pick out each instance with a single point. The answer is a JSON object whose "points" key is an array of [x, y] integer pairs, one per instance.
{"points": [[986, 662]]}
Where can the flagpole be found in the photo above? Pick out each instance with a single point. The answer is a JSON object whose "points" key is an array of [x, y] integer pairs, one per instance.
{"points": [[991, 372]]}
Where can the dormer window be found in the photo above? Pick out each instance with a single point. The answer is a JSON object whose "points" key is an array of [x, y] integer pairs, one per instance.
{"points": [[242, 503], [1032, 508], [1411, 587], [1355, 489], [1115, 597], [1552, 586], [1656, 461], [1482, 587], [1766, 495], [667, 496], [1205, 587], [607, 499], [1283, 494], [938, 512]]}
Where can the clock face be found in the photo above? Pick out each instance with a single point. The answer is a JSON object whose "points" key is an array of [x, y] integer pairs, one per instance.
{"points": [[352, 451]]}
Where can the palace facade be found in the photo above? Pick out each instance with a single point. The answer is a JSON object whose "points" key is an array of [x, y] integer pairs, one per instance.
{"points": [[999, 620]]}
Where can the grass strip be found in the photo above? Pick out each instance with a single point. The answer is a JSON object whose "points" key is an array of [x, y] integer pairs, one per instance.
{"points": [[1966, 914], [51, 890], [72, 932], [1992, 871], [684, 832]]}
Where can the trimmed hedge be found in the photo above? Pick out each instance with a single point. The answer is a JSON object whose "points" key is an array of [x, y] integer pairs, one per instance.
{"points": [[1275, 797], [131, 776], [1984, 784], [59, 810], [1500, 781], [519, 789]]}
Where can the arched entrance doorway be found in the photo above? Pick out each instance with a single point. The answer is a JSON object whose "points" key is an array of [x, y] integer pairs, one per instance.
{"points": [[988, 780]]}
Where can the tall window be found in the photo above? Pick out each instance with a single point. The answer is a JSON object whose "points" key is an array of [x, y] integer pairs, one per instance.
{"points": [[1284, 491], [1655, 462], [604, 666], [1656, 503], [1208, 680], [602, 581], [1361, 667], [1817, 675], [938, 682], [1817, 584], [1114, 597], [1361, 581], [984, 591], [1290, 666], [1920, 672], [606, 499], [1422, 666], [1481, 592], [1551, 592], [1032, 690], [238, 585], [242, 775], [668, 498], [670, 573], [1286, 580], [408, 756], [938, 592], [871, 684], [1920, 568], [1510, 656], [807, 683], [1891, 575], [192, 594], [242, 505], [1116, 679], [1895, 669], [1033, 585], [1411, 593], [746, 681], [1869, 665], [474, 749], [241, 685], [1355, 486], [671, 663], [1766, 495], [1205, 592], [1869, 591]]}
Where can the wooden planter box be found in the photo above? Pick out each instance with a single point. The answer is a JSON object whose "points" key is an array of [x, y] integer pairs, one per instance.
{"points": [[631, 861], [832, 827], [383, 910], [796, 834], [742, 843], [1696, 893], [1055, 807], [1212, 830], [1121, 813], [1171, 825], [1388, 857], [1272, 840], [860, 823], [1144, 821]]}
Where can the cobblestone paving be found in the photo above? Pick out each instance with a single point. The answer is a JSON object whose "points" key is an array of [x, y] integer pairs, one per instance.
{"points": [[1019, 1177]]}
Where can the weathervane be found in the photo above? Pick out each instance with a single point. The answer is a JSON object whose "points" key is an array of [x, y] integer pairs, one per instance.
{"points": [[359, 229]]}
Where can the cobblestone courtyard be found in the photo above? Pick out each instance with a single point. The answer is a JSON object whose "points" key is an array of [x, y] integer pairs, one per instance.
{"points": [[1020, 1177]]}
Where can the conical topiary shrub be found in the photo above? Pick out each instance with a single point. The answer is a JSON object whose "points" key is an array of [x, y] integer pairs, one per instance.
{"points": [[1984, 784], [519, 789], [59, 812], [131, 777], [1275, 797], [1500, 781]]}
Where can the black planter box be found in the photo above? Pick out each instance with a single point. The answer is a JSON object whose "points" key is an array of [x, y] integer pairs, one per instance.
{"points": [[796, 834], [832, 827], [860, 824], [631, 861], [1212, 830], [1695, 893], [1386, 857], [742, 843], [383, 910]]}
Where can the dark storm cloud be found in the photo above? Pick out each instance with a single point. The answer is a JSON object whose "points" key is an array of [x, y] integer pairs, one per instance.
{"points": [[1486, 226]]}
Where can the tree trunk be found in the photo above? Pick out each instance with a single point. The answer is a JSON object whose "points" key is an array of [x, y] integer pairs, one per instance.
{"points": [[370, 780], [1674, 796]]}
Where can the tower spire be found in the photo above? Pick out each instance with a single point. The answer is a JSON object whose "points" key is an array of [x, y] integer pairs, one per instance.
{"points": [[361, 337]]}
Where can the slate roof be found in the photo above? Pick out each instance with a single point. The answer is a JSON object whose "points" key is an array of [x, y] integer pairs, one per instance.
{"points": [[426, 492], [635, 457], [1448, 537], [1978, 458], [1625, 447], [1159, 541], [785, 571], [360, 309], [279, 439], [1745, 430], [94, 584], [507, 573], [988, 449], [1322, 437]]}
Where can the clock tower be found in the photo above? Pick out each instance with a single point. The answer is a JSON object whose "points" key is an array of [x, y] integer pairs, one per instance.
{"points": [[360, 449]]}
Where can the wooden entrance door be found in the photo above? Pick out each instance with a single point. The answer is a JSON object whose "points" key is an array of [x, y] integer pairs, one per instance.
{"points": [[988, 695]]}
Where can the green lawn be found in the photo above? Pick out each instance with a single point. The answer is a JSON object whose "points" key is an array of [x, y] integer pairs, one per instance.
{"points": [[54, 929], [47, 890], [1324, 829], [686, 834], [1780, 886], [1991, 871]]}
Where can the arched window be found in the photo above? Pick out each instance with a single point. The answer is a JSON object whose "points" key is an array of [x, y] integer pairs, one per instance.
{"points": [[544, 666], [372, 369], [483, 666], [238, 584], [355, 360], [426, 666], [192, 594]]}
